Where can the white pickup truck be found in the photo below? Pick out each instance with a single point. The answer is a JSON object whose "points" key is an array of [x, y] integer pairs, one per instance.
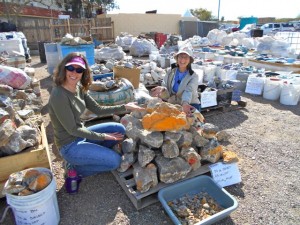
{"points": [[271, 28]]}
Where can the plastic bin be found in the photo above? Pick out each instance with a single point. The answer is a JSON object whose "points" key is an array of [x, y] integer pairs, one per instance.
{"points": [[52, 56], [194, 186], [87, 50], [100, 76]]}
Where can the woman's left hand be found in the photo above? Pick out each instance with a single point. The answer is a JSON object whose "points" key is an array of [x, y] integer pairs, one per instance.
{"points": [[114, 136], [133, 106]]}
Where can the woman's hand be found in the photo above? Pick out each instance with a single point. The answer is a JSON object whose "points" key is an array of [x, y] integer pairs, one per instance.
{"points": [[188, 109], [114, 136], [156, 91], [133, 106]]}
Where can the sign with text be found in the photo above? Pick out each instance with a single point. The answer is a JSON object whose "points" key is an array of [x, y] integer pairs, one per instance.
{"points": [[225, 174], [255, 85], [208, 98]]}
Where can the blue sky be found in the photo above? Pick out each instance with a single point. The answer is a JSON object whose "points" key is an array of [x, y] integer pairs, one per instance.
{"points": [[230, 9]]}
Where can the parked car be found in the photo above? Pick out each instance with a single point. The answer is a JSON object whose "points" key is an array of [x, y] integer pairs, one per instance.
{"points": [[296, 24], [270, 28]]}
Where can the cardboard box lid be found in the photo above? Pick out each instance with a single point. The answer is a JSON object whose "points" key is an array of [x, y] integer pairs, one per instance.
{"points": [[131, 74]]}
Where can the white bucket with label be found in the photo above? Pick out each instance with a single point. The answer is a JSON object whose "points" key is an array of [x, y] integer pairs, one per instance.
{"points": [[290, 94], [40, 208], [272, 88]]}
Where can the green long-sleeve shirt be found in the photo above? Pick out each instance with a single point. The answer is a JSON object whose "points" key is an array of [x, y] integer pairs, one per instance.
{"points": [[65, 109]]}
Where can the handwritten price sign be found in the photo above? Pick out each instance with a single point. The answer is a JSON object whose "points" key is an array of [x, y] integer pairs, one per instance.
{"points": [[225, 174]]}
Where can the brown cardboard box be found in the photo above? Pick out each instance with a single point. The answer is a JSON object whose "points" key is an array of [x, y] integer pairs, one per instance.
{"points": [[133, 75]]}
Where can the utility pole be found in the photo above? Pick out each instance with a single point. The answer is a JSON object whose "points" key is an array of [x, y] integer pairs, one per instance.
{"points": [[219, 11]]}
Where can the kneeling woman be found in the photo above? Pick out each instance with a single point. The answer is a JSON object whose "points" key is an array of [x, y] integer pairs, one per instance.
{"points": [[86, 149]]}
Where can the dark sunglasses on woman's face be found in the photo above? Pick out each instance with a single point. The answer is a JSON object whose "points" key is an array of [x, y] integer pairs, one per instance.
{"points": [[72, 68]]}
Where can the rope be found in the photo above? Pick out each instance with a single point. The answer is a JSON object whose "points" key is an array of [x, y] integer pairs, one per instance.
{"points": [[4, 214]]}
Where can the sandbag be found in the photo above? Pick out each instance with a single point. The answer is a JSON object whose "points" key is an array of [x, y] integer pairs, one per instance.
{"points": [[122, 95], [14, 77]]}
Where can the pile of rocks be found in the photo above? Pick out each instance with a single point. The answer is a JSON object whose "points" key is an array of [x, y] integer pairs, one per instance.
{"points": [[163, 145], [20, 118]]}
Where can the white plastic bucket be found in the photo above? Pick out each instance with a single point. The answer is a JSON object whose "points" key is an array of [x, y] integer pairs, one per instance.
{"points": [[40, 208], [290, 94], [272, 88]]}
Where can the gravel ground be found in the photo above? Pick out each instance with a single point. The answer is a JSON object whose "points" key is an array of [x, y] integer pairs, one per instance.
{"points": [[265, 135]]}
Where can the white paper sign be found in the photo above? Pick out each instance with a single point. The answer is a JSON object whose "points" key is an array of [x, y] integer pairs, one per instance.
{"points": [[225, 174], [208, 98], [255, 85]]}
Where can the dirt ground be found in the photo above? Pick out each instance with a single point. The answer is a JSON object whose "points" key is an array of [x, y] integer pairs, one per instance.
{"points": [[265, 135]]}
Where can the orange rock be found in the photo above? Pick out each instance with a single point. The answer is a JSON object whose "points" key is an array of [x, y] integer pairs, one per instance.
{"points": [[216, 150], [165, 117], [230, 157], [42, 181]]}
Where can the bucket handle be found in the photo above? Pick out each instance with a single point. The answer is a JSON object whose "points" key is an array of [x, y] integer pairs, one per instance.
{"points": [[4, 214]]}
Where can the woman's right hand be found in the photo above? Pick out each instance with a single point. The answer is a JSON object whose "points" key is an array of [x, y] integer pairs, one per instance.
{"points": [[114, 136]]}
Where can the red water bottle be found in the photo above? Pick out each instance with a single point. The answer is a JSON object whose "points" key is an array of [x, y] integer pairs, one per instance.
{"points": [[72, 182]]}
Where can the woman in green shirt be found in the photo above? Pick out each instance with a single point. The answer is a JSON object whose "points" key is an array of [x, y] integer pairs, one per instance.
{"points": [[86, 149]]}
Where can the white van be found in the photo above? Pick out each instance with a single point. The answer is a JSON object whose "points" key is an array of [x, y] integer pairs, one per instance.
{"points": [[270, 28]]}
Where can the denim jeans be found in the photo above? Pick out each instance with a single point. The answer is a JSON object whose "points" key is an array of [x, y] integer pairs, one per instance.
{"points": [[197, 106], [90, 157]]}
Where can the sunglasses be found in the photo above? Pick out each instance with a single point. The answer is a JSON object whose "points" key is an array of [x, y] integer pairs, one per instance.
{"points": [[72, 68]]}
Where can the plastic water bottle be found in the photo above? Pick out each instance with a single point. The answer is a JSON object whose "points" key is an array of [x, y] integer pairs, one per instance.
{"points": [[72, 182]]}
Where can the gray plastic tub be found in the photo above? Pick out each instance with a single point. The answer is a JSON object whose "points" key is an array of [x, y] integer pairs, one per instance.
{"points": [[192, 187]]}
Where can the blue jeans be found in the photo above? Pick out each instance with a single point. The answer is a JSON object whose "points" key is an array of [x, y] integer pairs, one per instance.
{"points": [[90, 157], [197, 106]]}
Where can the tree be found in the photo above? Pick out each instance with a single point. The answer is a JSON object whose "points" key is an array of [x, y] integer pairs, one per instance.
{"points": [[203, 14], [104, 5]]}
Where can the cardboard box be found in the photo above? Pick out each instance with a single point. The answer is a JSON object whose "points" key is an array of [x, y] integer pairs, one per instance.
{"points": [[39, 157], [133, 75]]}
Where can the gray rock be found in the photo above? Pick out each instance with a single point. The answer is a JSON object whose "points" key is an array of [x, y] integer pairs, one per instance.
{"points": [[171, 170], [172, 136], [212, 152], [170, 149], [223, 135], [191, 156], [209, 130], [198, 140], [152, 139], [186, 139], [145, 178], [145, 155], [7, 128], [128, 146], [128, 159]]}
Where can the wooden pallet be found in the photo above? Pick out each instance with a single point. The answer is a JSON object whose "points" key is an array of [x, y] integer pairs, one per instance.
{"points": [[141, 200], [222, 108]]}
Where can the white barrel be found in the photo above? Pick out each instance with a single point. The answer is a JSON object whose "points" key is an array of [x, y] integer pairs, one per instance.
{"points": [[290, 94], [272, 88], [39, 208], [52, 56]]}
